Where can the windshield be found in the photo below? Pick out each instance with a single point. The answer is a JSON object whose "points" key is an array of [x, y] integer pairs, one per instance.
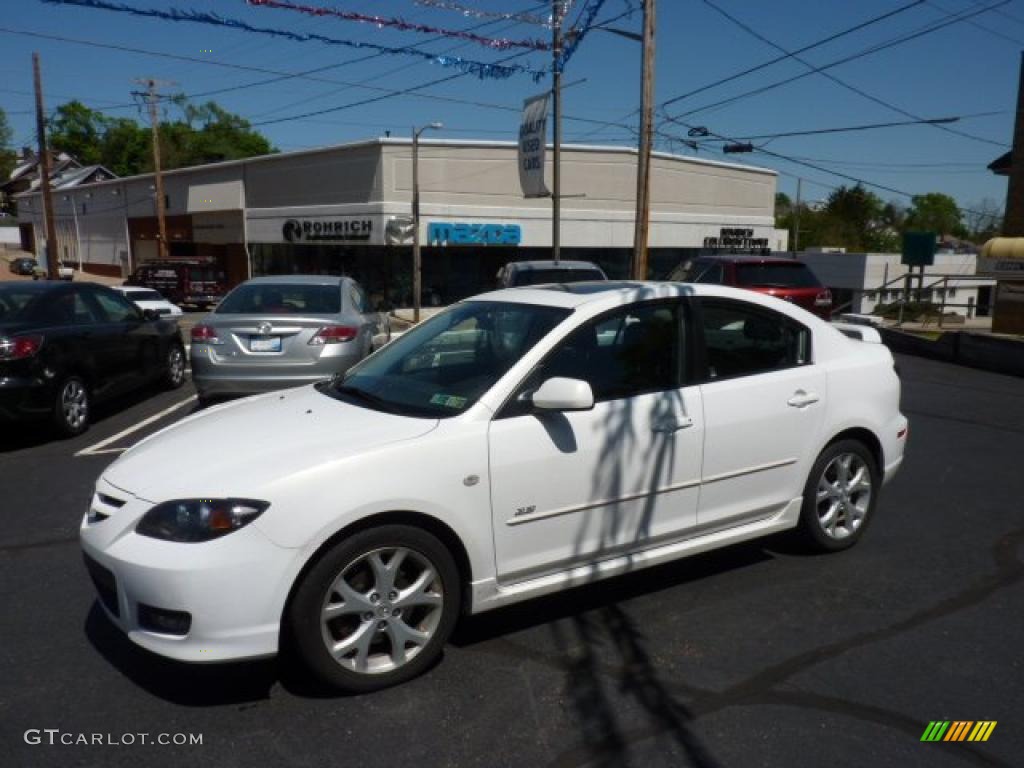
{"points": [[281, 299], [205, 275], [553, 275], [795, 275], [443, 366]]}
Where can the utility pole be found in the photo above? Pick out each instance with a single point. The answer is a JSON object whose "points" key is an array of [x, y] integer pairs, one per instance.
{"points": [[796, 219], [643, 160], [557, 13], [417, 261], [152, 98], [44, 175]]}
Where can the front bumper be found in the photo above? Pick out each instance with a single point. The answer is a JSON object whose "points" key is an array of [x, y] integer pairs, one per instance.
{"points": [[234, 588]]}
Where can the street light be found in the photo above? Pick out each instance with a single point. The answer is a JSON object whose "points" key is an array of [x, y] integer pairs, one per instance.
{"points": [[417, 265]]}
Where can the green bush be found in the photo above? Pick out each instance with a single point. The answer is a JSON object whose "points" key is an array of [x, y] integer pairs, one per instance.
{"points": [[913, 311]]}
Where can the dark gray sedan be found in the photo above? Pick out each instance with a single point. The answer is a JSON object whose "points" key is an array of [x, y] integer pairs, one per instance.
{"points": [[284, 331]]}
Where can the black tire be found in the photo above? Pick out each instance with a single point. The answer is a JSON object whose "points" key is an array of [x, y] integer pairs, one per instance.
{"points": [[174, 366], [72, 407], [847, 514], [309, 631]]}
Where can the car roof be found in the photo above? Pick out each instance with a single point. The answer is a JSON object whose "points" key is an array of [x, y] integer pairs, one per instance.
{"points": [[297, 280], [750, 258], [613, 293], [551, 264], [33, 286]]}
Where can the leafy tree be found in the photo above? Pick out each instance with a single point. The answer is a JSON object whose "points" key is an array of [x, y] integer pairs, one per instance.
{"points": [[935, 212], [205, 133], [783, 205]]}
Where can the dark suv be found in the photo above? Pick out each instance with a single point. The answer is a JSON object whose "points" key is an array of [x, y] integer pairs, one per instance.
{"points": [[786, 279]]}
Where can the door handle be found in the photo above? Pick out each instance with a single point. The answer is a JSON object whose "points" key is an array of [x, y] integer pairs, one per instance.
{"points": [[671, 426], [801, 399]]}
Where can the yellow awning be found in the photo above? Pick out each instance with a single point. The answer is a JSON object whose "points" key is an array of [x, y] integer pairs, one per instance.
{"points": [[1003, 248]]}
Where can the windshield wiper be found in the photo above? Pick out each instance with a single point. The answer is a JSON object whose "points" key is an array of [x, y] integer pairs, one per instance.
{"points": [[369, 398]]}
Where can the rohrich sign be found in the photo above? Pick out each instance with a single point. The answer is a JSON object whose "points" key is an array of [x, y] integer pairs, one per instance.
{"points": [[447, 233], [736, 239], [334, 230]]}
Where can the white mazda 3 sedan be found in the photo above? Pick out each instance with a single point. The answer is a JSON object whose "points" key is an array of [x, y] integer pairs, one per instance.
{"points": [[519, 443]]}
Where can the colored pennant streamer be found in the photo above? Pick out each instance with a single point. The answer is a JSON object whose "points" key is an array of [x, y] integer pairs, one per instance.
{"points": [[498, 43], [479, 13], [575, 36], [480, 69]]}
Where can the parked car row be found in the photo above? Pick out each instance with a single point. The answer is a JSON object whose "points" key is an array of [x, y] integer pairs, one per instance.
{"points": [[516, 444], [66, 347]]}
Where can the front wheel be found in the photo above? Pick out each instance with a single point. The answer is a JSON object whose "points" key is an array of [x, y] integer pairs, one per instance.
{"points": [[840, 496], [377, 609]]}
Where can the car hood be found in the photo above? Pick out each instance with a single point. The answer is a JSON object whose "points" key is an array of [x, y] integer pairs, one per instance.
{"points": [[240, 447]]}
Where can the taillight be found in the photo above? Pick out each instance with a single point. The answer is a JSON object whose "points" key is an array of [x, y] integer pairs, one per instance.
{"points": [[334, 334], [20, 347], [823, 299], [204, 334]]}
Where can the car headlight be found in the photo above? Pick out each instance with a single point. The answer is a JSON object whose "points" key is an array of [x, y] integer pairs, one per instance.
{"points": [[195, 520]]}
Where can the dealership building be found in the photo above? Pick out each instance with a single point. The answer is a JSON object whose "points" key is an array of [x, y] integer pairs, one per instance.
{"points": [[347, 210]]}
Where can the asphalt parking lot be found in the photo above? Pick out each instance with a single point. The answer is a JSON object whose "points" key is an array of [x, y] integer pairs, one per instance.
{"points": [[755, 655]]}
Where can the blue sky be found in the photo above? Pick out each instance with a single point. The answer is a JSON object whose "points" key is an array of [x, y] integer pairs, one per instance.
{"points": [[966, 68]]}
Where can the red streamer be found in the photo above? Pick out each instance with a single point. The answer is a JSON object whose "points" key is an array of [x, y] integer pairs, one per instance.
{"points": [[500, 44]]}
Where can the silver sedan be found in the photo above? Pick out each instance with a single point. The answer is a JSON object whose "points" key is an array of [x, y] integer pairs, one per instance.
{"points": [[283, 331]]}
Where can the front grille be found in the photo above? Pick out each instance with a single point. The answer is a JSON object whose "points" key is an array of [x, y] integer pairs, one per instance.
{"points": [[105, 583]]}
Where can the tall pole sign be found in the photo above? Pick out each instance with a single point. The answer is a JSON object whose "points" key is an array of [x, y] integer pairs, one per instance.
{"points": [[533, 132]]}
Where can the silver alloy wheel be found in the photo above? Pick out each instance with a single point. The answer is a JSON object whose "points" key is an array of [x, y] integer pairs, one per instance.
{"points": [[74, 403], [382, 610], [176, 365], [844, 495]]}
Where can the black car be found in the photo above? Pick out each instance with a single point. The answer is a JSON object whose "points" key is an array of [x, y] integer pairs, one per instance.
{"points": [[23, 265], [66, 346]]}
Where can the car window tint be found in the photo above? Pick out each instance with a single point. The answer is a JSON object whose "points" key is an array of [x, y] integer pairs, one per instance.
{"points": [[627, 353], [554, 275], [114, 308], [16, 302], [741, 339], [794, 275], [65, 308], [281, 299]]}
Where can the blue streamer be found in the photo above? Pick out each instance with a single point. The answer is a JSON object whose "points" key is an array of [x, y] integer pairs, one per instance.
{"points": [[576, 37], [480, 69]]}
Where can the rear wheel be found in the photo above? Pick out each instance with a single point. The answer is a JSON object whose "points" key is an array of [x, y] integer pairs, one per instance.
{"points": [[840, 496], [174, 366], [71, 410], [377, 609]]}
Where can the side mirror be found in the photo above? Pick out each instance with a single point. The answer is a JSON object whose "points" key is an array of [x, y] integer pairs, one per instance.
{"points": [[150, 314], [560, 394]]}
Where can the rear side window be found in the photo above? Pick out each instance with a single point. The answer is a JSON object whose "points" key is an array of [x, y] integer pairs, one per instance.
{"points": [[743, 340], [281, 299], [64, 308], [205, 275], [795, 275]]}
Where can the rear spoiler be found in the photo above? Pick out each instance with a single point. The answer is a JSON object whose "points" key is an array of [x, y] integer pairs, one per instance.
{"points": [[858, 332]]}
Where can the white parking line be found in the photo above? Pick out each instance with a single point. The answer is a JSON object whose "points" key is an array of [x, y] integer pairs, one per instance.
{"points": [[98, 448]]}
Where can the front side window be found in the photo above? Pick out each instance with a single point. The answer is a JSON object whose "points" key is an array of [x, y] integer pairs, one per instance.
{"points": [[444, 365], [629, 352], [281, 299], [742, 339], [114, 308]]}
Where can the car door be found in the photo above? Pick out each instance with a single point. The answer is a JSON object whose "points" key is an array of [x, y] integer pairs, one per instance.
{"points": [[71, 322], [764, 405], [370, 327], [576, 487], [131, 343]]}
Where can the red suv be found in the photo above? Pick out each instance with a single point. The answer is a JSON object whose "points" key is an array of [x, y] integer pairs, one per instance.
{"points": [[787, 279], [200, 282]]}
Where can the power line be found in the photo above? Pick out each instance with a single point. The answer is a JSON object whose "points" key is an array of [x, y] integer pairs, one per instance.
{"points": [[791, 54], [869, 126], [982, 27], [821, 70]]}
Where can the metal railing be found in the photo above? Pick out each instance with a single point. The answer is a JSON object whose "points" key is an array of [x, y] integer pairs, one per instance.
{"points": [[908, 291]]}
